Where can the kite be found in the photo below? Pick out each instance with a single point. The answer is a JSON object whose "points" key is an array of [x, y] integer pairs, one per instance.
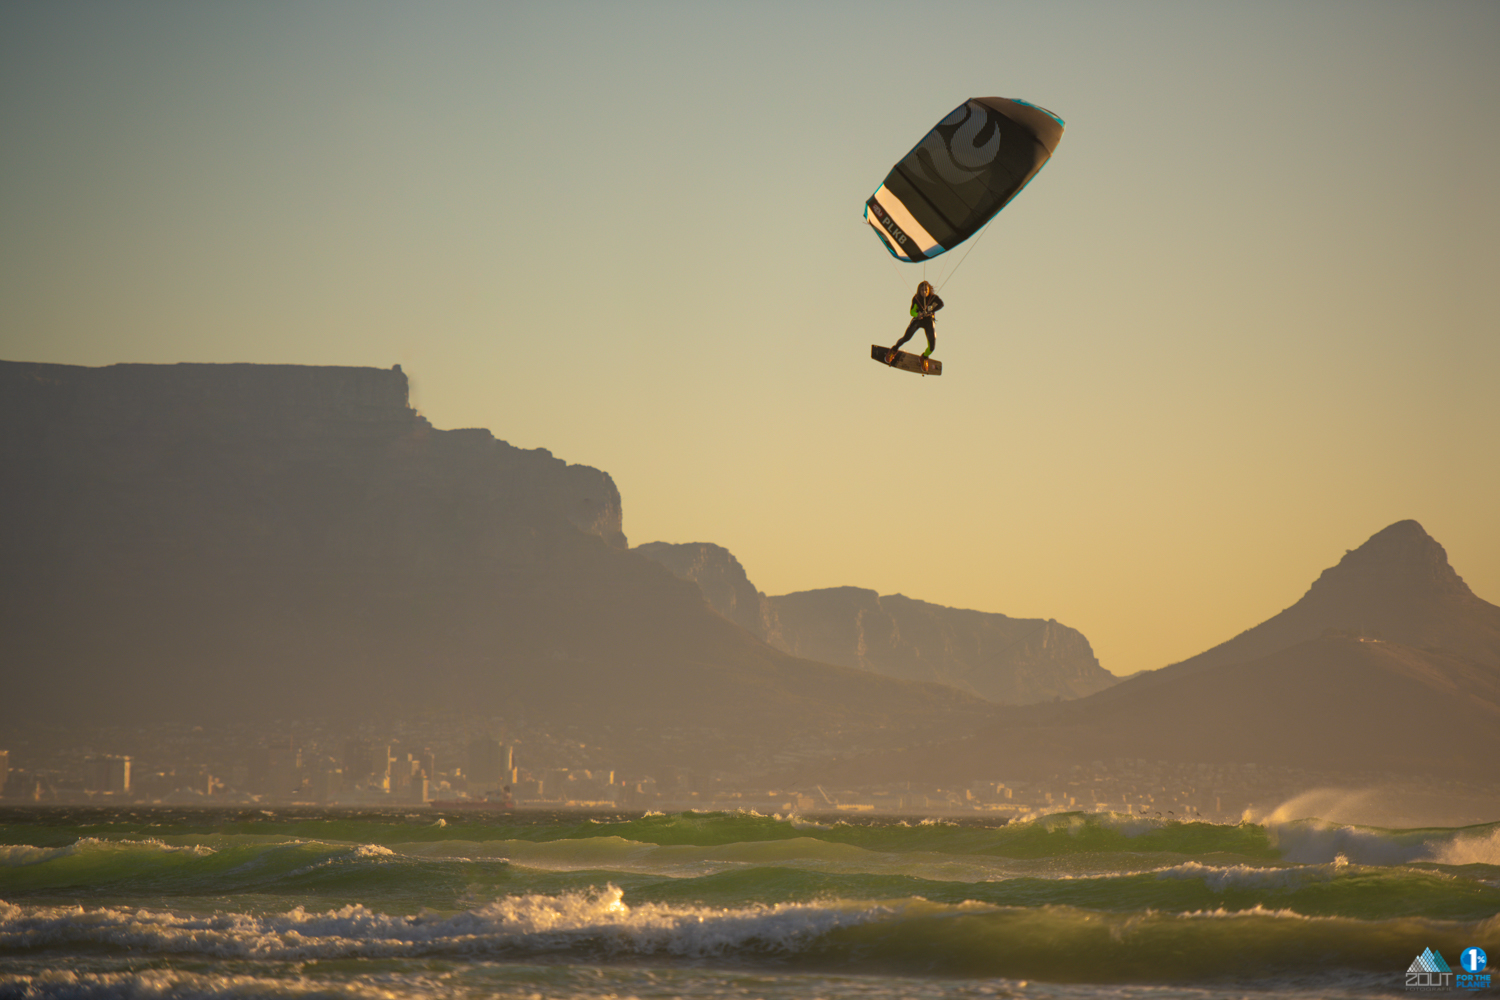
{"points": [[965, 170]]}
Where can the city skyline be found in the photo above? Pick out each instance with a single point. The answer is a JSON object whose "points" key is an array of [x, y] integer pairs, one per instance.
{"points": [[331, 769]]}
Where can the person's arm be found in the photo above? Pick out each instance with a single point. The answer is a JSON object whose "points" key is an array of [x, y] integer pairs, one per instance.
{"points": [[937, 303]]}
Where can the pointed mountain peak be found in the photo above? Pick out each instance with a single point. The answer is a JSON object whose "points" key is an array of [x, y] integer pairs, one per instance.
{"points": [[1402, 558], [1397, 587]]}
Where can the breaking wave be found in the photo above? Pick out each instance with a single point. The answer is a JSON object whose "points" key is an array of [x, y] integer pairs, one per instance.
{"points": [[895, 937]]}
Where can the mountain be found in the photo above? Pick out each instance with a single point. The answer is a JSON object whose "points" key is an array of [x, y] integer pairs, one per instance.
{"points": [[247, 541], [1332, 703], [1016, 661], [1388, 663], [724, 584], [1397, 587], [1010, 660]]}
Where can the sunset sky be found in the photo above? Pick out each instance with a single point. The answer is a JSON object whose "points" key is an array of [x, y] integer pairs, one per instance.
{"points": [[1246, 317]]}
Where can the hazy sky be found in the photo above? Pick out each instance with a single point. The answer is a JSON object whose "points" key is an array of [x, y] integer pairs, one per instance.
{"points": [[1248, 315]]}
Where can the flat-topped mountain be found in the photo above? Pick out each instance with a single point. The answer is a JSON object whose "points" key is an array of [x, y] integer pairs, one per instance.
{"points": [[248, 541], [1388, 663], [1014, 661]]}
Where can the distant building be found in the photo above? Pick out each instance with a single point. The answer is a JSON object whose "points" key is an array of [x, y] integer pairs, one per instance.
{"points": [[109, 774], [409, 777], [324, 782], [4, 769], [381, 759], [490, 765], [23, 787], [357, 762], [276, 771], [556, 781]]}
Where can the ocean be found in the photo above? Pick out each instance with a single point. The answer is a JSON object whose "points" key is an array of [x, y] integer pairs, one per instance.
{"points": [[145, 903]]}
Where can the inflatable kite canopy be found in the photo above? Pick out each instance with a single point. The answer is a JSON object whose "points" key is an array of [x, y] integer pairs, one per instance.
{"points": [[965, 170]]}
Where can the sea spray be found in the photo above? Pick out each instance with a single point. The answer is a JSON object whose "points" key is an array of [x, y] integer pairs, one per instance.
{"points": [[333, 902]]}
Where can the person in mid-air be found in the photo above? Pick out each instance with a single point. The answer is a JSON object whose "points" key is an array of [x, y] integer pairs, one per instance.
{"points": [[923, 305]]}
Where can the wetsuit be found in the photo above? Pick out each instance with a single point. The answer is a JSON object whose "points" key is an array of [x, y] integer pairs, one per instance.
{"points": [[922, 308]]}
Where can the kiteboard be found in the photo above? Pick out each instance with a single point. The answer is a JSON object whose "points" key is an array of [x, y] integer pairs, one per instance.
{"points": [[907, 362]]}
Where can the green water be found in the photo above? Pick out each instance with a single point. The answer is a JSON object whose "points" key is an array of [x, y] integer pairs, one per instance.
{"points": [[287, 903]]}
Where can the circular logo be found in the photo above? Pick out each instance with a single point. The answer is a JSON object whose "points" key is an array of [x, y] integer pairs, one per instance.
{"points": [[1472, 959]]}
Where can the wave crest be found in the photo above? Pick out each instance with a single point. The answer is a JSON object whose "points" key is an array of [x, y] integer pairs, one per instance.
{"points": [[597, 920]]}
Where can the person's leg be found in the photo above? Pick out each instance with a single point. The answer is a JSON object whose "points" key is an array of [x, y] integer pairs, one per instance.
{"points": [[927, 328], [911, 328]]}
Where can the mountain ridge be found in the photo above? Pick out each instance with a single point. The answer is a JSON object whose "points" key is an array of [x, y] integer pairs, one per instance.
{"points": [[999, 658]]}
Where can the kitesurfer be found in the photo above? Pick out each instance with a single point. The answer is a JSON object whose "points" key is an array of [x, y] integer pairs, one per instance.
{"points": [[923, 305]]}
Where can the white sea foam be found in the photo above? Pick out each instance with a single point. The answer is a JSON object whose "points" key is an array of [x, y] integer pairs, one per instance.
{"points": [[373, 851], [1480, 848], [1221, 879], [1077, 823], [797, 823], [1042, 813], [1129, 825], [343, 853], [1250, 913], [598, 921], [21, 855], [1311, 842], [173, 984]]}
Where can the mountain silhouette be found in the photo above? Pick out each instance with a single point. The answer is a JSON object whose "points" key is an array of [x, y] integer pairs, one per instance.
{"points": [[255, 541], [1388, 663], [1398, 586]]}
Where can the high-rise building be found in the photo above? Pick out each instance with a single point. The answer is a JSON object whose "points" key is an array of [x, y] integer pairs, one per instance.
{"points": [[403, 773], [109, 774], [383, 759], [489, 765], [357, 762], [4, 769], [324, 781], [118, 779]]}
